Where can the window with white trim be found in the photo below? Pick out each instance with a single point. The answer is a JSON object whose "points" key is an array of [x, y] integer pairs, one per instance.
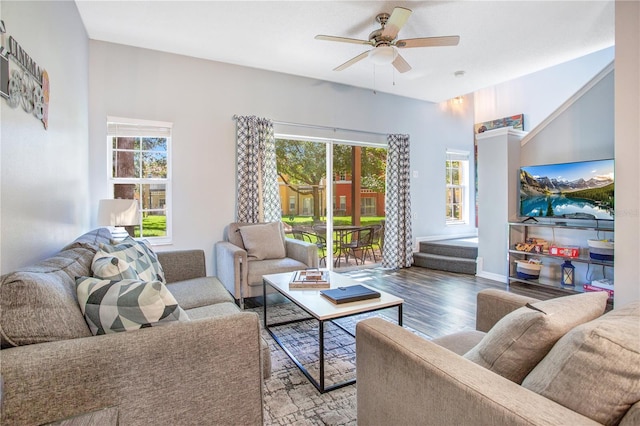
{"points": [[139, 157], [457, 184]]}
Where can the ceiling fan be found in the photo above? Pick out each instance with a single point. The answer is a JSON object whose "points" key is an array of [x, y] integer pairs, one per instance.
{"points": [[385, 43]]}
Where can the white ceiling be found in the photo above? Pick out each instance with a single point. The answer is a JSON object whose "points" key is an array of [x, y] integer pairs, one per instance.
{"points": [[499, 40]]}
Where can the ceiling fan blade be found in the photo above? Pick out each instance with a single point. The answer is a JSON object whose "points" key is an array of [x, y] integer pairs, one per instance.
{"points": [[428, 42], [396, 21], [352, 61], [341, 39], [401, 65]]}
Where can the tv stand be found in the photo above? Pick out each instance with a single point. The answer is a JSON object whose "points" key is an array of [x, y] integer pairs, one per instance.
{"points": [[587, 269], [530, 218]]}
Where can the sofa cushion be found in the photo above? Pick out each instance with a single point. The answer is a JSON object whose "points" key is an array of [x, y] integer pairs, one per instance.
{"points": [[91, 240], [632, 417], [515, 345], [263, 241], [140, 256], [114, 306], [595, 368], [199, 292], [38, 303], [213, 311], [460, 342]]}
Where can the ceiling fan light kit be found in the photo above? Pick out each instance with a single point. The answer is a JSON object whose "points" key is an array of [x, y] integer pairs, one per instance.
{"points": [[383, 55], [386, 44]]}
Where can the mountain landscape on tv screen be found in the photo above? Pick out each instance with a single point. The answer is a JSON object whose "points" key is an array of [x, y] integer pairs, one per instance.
{"points": [[542, 196], [544, 185]]}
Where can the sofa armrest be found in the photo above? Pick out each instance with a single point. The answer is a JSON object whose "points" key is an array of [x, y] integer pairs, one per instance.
{"points": [[493, 304], [229, 261], [405, 379], [302, 251], [180, 265], [197, 372]]}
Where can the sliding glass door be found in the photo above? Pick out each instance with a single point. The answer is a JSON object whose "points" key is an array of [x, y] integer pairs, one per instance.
{"points": [[330, 191]]}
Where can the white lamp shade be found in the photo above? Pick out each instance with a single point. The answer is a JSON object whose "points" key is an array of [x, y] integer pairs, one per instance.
{"points": [[118, 213], [383, 55]]}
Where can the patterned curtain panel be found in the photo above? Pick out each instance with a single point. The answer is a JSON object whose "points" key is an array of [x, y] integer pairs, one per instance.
{"points": [[258, 196], [398, 246]]}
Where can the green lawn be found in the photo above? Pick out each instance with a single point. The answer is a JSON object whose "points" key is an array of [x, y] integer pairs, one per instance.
{"points": [[154, 226], [337, 220]]}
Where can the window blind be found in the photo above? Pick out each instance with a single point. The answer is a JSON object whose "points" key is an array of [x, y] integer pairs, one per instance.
{"points": [[126, 127]]}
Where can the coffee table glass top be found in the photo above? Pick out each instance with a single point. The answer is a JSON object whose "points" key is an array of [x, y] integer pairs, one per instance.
{"points": [[320, 307]]}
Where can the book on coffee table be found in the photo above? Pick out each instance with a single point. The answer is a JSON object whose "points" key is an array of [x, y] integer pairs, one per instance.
{"points": [[351, 293], [310, 279]]}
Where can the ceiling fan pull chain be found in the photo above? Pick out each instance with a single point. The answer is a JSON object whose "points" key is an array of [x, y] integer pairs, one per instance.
{"points": [[374, 80]]}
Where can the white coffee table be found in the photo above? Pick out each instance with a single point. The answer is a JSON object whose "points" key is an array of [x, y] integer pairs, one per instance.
{"points": [[322, 310]]}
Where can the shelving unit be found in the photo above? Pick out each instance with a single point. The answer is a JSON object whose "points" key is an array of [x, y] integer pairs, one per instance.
{"points": [[568, 234]]}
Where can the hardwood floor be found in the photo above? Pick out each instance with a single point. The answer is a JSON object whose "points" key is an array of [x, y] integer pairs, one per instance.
{"points": [[436, 303]]}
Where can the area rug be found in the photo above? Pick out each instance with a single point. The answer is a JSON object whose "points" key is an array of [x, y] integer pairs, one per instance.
{"points": [[289, 398]]}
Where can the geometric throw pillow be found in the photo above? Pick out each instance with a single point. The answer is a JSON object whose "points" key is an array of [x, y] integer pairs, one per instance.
{"points": [[108, 267], [517, 343], [263, 241], [595, 368], [114, 306], [139, 256]]}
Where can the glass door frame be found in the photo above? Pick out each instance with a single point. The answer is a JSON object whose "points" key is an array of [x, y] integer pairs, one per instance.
{"points": [[329, 193]]}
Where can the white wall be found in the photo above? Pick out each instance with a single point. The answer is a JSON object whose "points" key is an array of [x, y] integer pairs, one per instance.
{"points": [[538, 94], [200, 97], [44, 185], [627, 130]]}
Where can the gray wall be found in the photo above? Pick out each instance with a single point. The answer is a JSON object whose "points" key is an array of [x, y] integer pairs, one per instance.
{"points": [[584, 131], [200, 97], [44, 173]]}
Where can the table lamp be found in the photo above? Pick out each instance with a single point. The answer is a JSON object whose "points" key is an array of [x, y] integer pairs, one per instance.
{"points": [[117, 214]]}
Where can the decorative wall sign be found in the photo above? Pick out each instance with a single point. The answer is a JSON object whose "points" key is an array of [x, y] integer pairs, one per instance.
{"points": [[515, 121], [28, 84]]}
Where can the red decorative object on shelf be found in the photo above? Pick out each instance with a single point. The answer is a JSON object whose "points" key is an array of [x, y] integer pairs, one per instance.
{"points": [[564, 251]]}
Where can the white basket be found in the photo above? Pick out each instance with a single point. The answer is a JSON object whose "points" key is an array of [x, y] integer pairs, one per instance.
{"points": [[528, 270], [600, 249]]}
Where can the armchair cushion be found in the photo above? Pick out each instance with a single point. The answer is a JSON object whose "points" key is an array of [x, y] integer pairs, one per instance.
{"points": [[263, 241], [515, 345], [114, 306], [595, 368]]}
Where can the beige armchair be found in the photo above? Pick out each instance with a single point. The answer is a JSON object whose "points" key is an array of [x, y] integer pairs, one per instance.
{"points": [[249, 251]]}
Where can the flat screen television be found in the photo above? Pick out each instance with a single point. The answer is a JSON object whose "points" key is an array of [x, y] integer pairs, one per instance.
{"points": [[580, 190]]}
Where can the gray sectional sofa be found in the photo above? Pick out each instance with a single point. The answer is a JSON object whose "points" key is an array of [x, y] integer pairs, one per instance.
{"points": [[585, 374], [207, 370]]}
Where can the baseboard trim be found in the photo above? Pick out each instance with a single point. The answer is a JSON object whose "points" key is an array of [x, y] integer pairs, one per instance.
{"points": [[492, 276]]}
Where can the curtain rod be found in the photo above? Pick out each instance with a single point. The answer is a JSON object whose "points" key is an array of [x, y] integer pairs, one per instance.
{"points": [[335, 129], [315, 126]]}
